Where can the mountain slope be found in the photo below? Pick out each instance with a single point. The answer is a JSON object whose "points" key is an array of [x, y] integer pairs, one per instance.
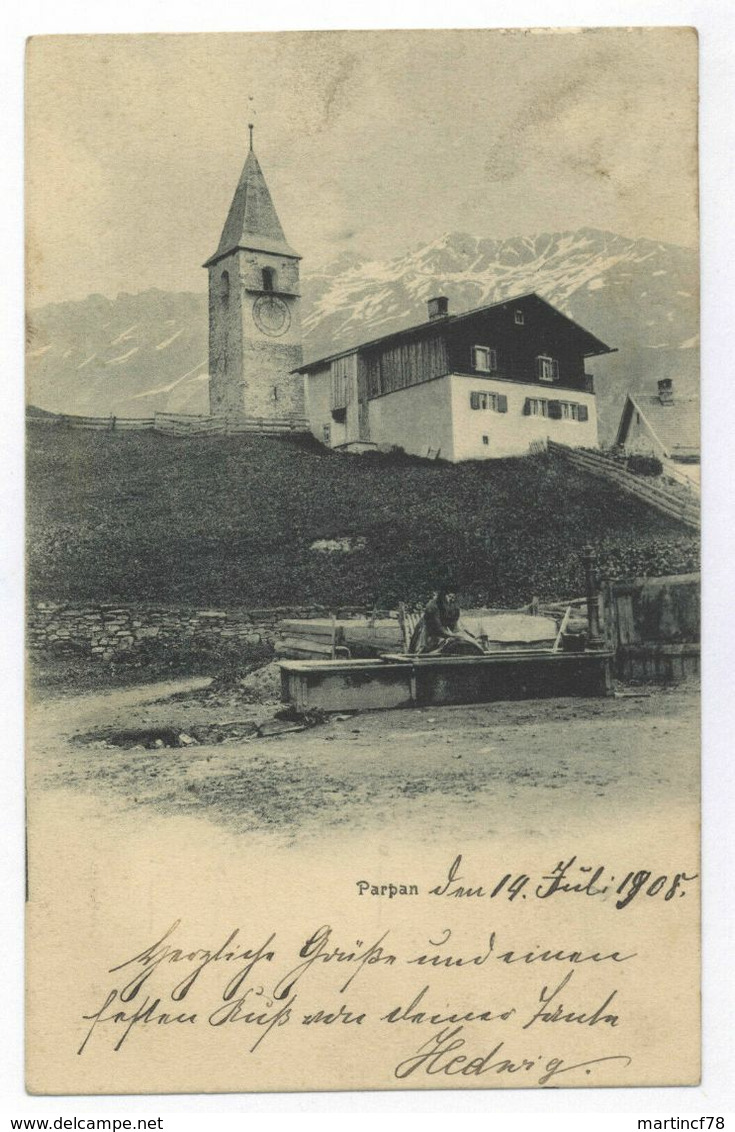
{"points": [[140, 353], [129, 356]]}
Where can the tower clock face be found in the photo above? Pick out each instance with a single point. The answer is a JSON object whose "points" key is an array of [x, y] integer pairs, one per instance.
{"points": [[271, 315]]}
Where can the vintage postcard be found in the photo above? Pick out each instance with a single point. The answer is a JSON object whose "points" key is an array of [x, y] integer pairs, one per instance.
{"points": [[363, 561]]}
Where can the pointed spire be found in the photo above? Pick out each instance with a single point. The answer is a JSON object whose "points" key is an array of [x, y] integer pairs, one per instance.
{"points": [[252, 221]]}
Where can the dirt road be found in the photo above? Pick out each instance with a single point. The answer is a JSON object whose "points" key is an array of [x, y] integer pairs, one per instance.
{"points": [[522, 768]]}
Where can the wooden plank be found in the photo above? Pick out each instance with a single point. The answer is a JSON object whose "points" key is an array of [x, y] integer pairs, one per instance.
{"points": [[299, 647], [625, 620], [562, 627], [656, 496]]}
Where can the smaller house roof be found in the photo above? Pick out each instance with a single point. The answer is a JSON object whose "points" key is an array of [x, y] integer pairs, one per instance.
{"points": [[674, 425], [594, 345]]}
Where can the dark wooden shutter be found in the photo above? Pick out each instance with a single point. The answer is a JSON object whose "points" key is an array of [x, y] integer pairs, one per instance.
{"points": [[502, 403], [555, 410], [527, 407], [583, 413], [474, 400]]}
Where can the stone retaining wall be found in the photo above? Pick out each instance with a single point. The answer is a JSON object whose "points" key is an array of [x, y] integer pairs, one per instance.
{"points": [[108, 631]]}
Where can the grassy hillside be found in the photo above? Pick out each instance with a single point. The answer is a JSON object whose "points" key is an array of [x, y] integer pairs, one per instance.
{"points": [[223, 522]]}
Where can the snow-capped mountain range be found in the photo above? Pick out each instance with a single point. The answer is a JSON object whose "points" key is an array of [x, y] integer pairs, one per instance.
{"points": [[142, 353]]}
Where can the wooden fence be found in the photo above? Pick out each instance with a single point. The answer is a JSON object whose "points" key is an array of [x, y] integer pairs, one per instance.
{"points": [[179, 424], [98, 424], [653, 624], [175, 424], [668, 500]]}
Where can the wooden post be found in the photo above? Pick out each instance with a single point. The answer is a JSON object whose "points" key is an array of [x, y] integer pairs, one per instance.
{"points": [[609, 616], [594, 636], [560, 635]]}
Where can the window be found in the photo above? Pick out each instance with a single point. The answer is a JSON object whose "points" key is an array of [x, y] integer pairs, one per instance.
{"points": [[547, 369], [481, 399], [486, 439], [224, 293], [519, 318], [326, 434], [571, 411], [484, 360], [269, 279], [555, 410]]}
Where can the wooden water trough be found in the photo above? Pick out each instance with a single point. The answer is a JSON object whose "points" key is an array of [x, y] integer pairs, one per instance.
{"points": [[400, 679], [346, 685]]}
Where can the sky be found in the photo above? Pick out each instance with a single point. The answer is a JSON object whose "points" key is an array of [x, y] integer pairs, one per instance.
{"points": [[371, 143]]}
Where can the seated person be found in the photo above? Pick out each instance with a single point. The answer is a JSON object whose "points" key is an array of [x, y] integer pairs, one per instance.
{"points": [[438, 630]]}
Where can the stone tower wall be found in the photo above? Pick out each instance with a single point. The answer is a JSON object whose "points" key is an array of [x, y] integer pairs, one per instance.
{"points": [[286, 271], [225, 339], [250, 371]]}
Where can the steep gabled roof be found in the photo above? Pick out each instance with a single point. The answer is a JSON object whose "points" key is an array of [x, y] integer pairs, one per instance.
{"points": [[675, 426], [593, 345], [252, 221]]}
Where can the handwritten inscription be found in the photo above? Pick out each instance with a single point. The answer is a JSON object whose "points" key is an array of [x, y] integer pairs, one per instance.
{"points": [[261, 1008], [567, 877], [452, 1005], [439, 1056]]}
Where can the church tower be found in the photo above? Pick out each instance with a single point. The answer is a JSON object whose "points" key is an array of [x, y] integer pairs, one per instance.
{"points": [[254, 323]]}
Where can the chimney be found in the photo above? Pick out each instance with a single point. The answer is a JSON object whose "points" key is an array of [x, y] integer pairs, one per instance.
{"points": [[438, 307], [666, 391]]}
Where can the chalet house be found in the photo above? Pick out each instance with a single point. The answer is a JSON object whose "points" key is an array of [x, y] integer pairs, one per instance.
{"points": [[486, 383], [665, 426]]}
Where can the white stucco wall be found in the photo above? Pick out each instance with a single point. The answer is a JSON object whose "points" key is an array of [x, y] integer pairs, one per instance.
{"points": [[319, 407], [418, 419], [437, 415], [640, 440], [688, 474], [511, 433]]}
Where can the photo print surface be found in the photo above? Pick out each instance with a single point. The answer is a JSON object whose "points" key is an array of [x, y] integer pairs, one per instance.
{"points": [[363, 561]]}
